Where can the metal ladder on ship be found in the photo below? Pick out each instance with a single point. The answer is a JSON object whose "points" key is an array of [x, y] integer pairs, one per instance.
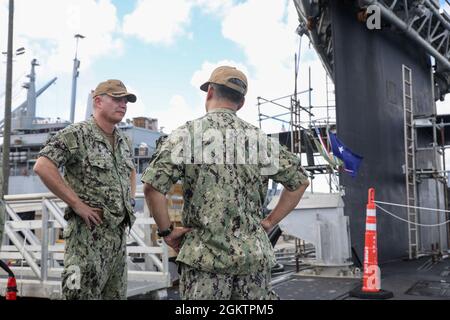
{"points": [[410, 164]]}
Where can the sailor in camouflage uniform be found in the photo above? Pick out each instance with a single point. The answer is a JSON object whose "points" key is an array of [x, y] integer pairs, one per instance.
{"points": [[99, 187], [224, 250]]}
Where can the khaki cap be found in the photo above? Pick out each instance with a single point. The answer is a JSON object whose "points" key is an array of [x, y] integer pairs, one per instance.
{"points": [[115, 89], [229, 77]]}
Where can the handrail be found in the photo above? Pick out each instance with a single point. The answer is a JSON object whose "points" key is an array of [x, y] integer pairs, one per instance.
{"points": [[15, 217], [43, 255], [26, 255]]}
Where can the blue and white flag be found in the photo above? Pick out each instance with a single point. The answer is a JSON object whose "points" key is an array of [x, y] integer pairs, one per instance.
{"points": [[351, 160]]}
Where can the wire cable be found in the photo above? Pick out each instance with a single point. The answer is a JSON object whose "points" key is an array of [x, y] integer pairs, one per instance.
{"points": [[409, 222], [406, 206]]}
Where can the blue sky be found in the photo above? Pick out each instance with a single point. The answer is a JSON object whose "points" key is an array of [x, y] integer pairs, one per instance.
{"points": [[164, 69], [162, 50]]}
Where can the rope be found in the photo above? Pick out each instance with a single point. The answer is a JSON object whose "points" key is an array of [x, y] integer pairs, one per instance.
{"points": [[406, 206], [409, 222]]}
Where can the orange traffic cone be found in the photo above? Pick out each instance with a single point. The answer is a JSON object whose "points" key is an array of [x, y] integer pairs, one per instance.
{"points": [[371, 288], [11, 289], [371, 278]]}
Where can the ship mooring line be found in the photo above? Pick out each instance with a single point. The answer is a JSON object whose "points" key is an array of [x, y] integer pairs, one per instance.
{"points": [[409, 222]]}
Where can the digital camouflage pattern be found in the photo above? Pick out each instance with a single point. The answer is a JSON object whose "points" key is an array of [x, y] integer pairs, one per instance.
{"points": [[100, 175], [222, 202], [95, 262], [200, 285]]}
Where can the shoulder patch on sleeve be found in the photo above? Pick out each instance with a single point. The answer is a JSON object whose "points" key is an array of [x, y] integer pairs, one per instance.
{"points": [[70, 140]]}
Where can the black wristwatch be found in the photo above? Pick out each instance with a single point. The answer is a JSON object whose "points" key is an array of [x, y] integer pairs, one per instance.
{"points": [[165, 233], [133, 202]]}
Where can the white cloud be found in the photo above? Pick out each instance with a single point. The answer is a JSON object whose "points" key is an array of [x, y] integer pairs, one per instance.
{"points": [[51, 40], [155, 21], [46, 29], [138, 108], [177, 113], [202, 75], [219, 7], [264, 36], [162, 22], [270, 89], [269, 42]]}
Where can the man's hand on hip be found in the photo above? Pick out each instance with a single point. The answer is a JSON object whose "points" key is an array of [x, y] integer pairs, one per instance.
{"points": [[267, 225], [174, 239], [89, 215]]}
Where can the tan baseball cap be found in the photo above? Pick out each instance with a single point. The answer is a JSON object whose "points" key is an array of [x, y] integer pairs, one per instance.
{"points": [[115, 89], [229, 77]]}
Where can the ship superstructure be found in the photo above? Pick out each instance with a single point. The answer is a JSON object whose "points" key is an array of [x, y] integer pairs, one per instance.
{"points": [[29, 133]]}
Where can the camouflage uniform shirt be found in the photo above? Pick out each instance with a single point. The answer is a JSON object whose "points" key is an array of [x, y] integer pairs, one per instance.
{"points": [[222, 200], [99, 174]]}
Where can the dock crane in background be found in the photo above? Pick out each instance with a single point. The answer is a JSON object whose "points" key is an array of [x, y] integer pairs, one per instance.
{"points": [[26, 111]]}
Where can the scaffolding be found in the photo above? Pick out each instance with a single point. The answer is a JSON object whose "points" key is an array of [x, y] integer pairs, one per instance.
{"points": [[416, 173], [436, 172], [304, 118], [300, 121]]}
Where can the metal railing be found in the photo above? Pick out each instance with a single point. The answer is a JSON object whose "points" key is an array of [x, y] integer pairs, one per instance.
{"points": [[34, 245]]}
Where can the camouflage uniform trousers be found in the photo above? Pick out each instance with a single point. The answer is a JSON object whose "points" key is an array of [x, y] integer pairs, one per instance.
{"points": [[200, 285], [94, 262]]}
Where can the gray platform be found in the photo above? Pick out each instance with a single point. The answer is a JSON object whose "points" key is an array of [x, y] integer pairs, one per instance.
{"points": [[400, 277]]}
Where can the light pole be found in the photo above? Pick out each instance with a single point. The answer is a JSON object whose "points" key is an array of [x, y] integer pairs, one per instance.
{"points": [[19, 52], [8, 101], [7, 134], [76, 73]]}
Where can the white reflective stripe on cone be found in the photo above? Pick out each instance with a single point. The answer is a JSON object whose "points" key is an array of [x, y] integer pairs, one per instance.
{"points": [[371, 227], [371, 212]]}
